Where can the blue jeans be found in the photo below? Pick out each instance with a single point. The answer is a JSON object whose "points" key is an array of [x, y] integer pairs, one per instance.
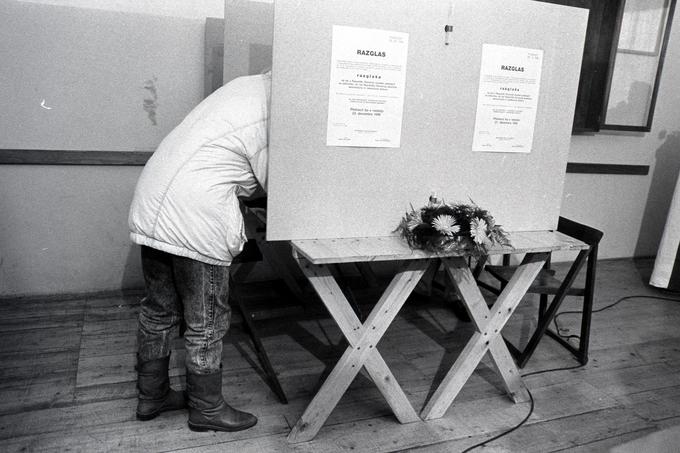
{"points": [[181, 288]]}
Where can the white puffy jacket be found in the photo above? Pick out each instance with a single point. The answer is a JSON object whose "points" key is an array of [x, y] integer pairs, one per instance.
{"points": [[185, 202]]}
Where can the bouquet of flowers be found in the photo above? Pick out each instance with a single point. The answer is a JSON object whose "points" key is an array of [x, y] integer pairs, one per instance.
{"points": [[445, 227]]}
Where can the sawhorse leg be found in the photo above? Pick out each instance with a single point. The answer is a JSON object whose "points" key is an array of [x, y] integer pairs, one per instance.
{"points": [[488, 324], [361, 352]]}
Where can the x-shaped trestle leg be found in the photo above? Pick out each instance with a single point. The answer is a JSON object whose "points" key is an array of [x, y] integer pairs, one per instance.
{"points": [[361, 352], [488, 324]]}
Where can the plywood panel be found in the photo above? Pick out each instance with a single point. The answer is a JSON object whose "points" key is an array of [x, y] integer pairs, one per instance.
{"points": [[325, 192]]}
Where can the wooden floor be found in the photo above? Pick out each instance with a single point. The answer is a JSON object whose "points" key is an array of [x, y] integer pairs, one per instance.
{"points": [[67, 381]]}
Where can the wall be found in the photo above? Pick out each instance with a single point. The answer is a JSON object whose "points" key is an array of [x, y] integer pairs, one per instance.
{"points": [[631, 210], [95, 79], [194, 9], [63, 229]]}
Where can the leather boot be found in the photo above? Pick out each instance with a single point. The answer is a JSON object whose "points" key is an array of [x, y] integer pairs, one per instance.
{"points": [[207, 408], [155, 394]]}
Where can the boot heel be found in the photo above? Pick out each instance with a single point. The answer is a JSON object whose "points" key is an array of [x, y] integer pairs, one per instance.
{"points": [[147, 417], [198, 429]]}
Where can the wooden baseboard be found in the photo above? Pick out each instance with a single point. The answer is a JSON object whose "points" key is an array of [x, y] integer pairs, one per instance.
{"points": [[66, 157]]}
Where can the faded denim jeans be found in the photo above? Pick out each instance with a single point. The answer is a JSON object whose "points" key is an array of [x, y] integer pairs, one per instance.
{"points": [[177, 288]]}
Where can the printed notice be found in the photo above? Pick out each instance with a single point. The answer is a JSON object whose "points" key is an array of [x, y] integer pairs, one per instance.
{"points": [[509, 84], [366, 93]]}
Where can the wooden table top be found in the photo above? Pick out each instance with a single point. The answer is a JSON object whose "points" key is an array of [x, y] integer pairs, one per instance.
{"points": [[391, 248]]}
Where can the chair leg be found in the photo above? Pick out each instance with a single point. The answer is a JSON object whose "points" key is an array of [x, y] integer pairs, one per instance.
{"points": [[551, 311], [477, 271], [585, 330], [516, 353], [584, 341], [259, 348], [479, 267], [276, 263], [542, 305], [568, 346]]}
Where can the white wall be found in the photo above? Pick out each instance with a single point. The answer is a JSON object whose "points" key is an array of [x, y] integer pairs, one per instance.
{"points": [[63, 229], [631, 210], [89, 79], [195, 9]]}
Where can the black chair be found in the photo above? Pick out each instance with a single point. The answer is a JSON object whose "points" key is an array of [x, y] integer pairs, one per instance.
{"points": [[546, 284], [257, 249]]}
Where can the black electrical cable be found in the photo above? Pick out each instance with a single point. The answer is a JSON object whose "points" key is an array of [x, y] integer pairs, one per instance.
{"points": [[531, 409], [674, 299], [574, 312], [505, 433]]}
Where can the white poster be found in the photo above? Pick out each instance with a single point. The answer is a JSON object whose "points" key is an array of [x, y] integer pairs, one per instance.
{"points": [[509, 83], [366, 93]]}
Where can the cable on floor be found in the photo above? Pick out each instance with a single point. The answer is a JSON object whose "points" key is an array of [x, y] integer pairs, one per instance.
{"points": [[569, 312], [531, 408]]}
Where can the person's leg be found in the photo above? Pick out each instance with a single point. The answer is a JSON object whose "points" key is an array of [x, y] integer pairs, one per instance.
{"points": [[204, 290], [158, 319], [160, 311]]}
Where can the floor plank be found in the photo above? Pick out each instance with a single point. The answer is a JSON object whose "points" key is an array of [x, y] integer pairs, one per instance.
{"points": [[67, 380]]}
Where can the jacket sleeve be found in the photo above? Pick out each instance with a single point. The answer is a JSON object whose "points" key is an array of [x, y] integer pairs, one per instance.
{"points": [[259, 165]]}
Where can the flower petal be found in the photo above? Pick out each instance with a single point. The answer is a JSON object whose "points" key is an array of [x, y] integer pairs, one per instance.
{"points": [[445, 224]]}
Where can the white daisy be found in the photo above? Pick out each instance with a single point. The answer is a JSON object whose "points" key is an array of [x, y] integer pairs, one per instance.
{"points": [[445, 224], [478, 231]]}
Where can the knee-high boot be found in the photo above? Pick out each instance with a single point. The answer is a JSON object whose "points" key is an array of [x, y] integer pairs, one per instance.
{"points": [[155, 394], [207, 408]]}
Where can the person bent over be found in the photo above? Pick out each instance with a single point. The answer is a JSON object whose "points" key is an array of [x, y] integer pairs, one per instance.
{"points": [[186, 217]]}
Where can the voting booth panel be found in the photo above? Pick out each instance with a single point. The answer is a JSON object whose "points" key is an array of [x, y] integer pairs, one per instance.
{"points": [[247, 38], [321, 191]]}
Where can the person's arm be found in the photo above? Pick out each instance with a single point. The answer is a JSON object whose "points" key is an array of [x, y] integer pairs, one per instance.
{"points": [[259, 165]]}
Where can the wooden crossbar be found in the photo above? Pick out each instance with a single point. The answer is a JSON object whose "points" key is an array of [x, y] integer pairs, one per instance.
{"points": [[487, 338], [362, 351]]}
